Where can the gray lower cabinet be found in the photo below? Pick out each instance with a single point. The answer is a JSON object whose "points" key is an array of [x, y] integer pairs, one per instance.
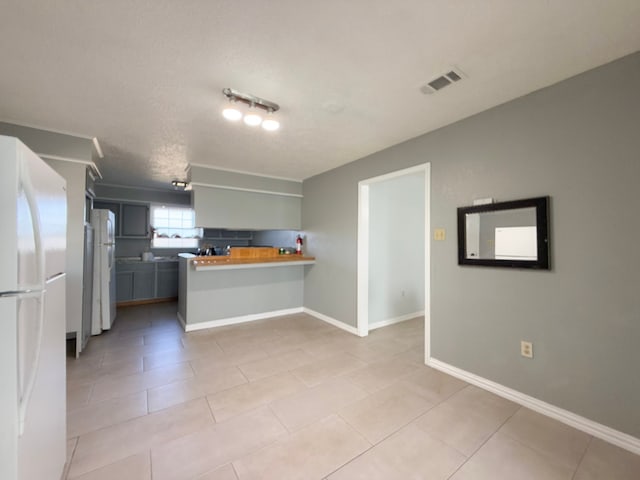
{"points": [[167, 280], [124, 285], [144, 281]]}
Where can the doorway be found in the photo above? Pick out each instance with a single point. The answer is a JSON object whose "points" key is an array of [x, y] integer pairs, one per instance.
{"points": [[393, 248]]}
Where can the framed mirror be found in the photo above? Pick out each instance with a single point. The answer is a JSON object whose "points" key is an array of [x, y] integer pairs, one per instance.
{"points": [[508, 234]]}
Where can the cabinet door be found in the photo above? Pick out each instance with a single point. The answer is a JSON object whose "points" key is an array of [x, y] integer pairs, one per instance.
{"points": [[124, 286], [144, 284], [114, 207], [167, 283], [135, 220]]}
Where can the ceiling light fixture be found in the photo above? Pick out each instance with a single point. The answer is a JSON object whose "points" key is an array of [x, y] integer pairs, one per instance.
{"points": [[232, 113], [252, 118], [179, 184], [270, 124]]}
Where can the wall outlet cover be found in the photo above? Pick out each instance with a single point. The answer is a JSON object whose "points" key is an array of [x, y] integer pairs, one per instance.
{"points": [[526, 349]]}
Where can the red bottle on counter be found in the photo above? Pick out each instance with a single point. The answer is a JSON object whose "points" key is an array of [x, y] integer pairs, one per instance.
{"points": [[299, 245]]}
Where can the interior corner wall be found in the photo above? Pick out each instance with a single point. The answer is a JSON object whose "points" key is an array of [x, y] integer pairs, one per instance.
{"points": [[396, 247], [576, 141]]}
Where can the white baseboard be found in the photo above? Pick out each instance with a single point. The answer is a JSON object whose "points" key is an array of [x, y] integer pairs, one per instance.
{"points": [[591, 427], [241, 319], [331, 321], [391, 321]]}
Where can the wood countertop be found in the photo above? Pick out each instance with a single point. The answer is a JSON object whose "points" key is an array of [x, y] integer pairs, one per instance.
{"points": [[229, 262]]}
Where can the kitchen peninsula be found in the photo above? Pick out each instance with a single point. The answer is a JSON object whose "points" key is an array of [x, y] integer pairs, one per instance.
{"points": [[247, 285]]}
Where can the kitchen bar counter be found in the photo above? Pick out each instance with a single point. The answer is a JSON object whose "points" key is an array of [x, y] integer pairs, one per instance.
{"points": [[230, 263], [223, 290]]}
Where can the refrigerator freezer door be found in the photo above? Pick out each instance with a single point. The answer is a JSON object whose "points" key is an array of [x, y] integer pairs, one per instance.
{"points": [[41, 448], [32, 204], [9, 390]]}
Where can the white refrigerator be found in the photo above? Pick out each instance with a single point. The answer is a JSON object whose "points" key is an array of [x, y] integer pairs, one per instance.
{"points": [[33, 214], [104, 271]]}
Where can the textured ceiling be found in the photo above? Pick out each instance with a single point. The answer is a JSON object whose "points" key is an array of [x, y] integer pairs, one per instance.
{"points": [[145, 76]]}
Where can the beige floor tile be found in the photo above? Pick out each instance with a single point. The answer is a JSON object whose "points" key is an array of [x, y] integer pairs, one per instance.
{"points": [[381, 374], [408, 454], [327, 345], [108, 445], [373, 351], [606, 461], [435, 386], [502, 457], [384, 412], [314, 403], [110, 412], [107, 369], [121, 386], [246, 338], [252, 395], [227, 359], [162, 359], [136, 467], [215, 446], [223, 473], [71, 448], [560, 442], [195, 387], [78, 396], [324, 368], [312, 452], [139, 351], [467, 419], [414, 356], [276, 364]]}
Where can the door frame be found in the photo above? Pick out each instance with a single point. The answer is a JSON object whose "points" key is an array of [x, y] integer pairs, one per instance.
{"points": [[363, 249]]}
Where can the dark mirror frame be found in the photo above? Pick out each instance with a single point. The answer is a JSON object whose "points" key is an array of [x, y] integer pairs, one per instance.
{"points": [[541, 204]]}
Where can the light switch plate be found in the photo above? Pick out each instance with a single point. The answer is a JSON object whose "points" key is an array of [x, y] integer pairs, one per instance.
{"points": [[439, 234]]}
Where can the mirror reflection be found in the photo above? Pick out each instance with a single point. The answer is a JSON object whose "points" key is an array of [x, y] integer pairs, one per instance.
{"points": [[511, 234], [502, 235]]}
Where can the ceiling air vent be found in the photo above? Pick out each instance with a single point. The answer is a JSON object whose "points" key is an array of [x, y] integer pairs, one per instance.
{"points": [[442, 81]]}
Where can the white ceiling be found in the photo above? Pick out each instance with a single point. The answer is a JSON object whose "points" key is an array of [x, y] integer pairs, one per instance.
{"points": [[145, 76]]}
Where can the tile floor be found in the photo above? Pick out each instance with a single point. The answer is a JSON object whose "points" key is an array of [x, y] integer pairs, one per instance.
{"points": [[295, 398]]}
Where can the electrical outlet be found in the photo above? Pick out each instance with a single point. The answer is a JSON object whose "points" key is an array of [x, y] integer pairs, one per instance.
{"points": [[439, 234], [526, 349]]}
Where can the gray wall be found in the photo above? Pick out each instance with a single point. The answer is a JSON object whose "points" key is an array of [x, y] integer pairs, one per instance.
{"points": [[396, 253], [576, 141]]}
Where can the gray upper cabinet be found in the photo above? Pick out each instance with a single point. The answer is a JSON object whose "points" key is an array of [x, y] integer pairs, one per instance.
{"points": [[239, 201], [235, 209], [135, 220]]}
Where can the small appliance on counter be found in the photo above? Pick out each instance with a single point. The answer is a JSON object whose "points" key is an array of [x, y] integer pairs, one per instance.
{"points": [[147, 256]]}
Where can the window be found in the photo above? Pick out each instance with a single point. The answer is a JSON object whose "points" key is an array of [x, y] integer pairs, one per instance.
{"points": [[174, 227]]}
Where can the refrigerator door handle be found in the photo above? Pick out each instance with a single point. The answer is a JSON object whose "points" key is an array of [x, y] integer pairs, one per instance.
{"points": [[25, 394], [30, 195], [21, 293], [30, 380]]}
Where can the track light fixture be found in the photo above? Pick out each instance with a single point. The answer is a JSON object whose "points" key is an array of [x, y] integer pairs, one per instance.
{"points": [[252, 118]]}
